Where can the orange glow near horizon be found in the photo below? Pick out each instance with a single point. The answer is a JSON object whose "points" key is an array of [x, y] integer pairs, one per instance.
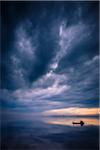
{"points": [[72, 111], [68, 121]]}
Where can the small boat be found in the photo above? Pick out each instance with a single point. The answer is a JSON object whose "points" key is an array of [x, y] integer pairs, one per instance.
{"points": [[81, 123]]}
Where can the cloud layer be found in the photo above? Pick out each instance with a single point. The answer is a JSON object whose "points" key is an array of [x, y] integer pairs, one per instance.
{"points": [[50, 56]]}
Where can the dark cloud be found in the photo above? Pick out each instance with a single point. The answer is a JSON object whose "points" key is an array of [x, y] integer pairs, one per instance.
{"points": [[50, 54]]}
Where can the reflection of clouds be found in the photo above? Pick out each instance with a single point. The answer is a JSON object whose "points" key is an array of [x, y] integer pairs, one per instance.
{"points": [[68, 121], [48, 135]]}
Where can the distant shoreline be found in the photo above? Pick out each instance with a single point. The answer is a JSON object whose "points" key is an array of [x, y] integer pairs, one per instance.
{"points": [[78, 116]]}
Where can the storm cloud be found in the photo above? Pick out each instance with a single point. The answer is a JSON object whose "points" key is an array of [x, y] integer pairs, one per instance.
{"points": [[49, 55]]}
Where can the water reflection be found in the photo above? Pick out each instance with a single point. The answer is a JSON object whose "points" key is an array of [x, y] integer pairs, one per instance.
{"points": [[50, 133], [68, 121]]}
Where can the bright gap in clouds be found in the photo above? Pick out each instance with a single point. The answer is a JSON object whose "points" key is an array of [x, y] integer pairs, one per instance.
{"points": [[50, 62], [54, 57], [73, 111]]}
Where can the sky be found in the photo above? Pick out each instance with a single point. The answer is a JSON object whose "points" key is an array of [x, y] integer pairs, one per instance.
{"points": [[50, 57]]}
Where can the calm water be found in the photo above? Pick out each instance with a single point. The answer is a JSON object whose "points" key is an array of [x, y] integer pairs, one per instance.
{"points": [[50, 134]]}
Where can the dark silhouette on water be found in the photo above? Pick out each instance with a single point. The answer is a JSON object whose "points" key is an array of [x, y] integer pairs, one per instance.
{"points": [[81, 123]]}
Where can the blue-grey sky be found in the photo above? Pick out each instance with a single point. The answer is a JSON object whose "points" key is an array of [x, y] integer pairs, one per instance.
{"points": [[49, 55]]}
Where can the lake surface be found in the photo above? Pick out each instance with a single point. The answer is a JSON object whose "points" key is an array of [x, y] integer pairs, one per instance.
{"points": [[50, 133]]}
